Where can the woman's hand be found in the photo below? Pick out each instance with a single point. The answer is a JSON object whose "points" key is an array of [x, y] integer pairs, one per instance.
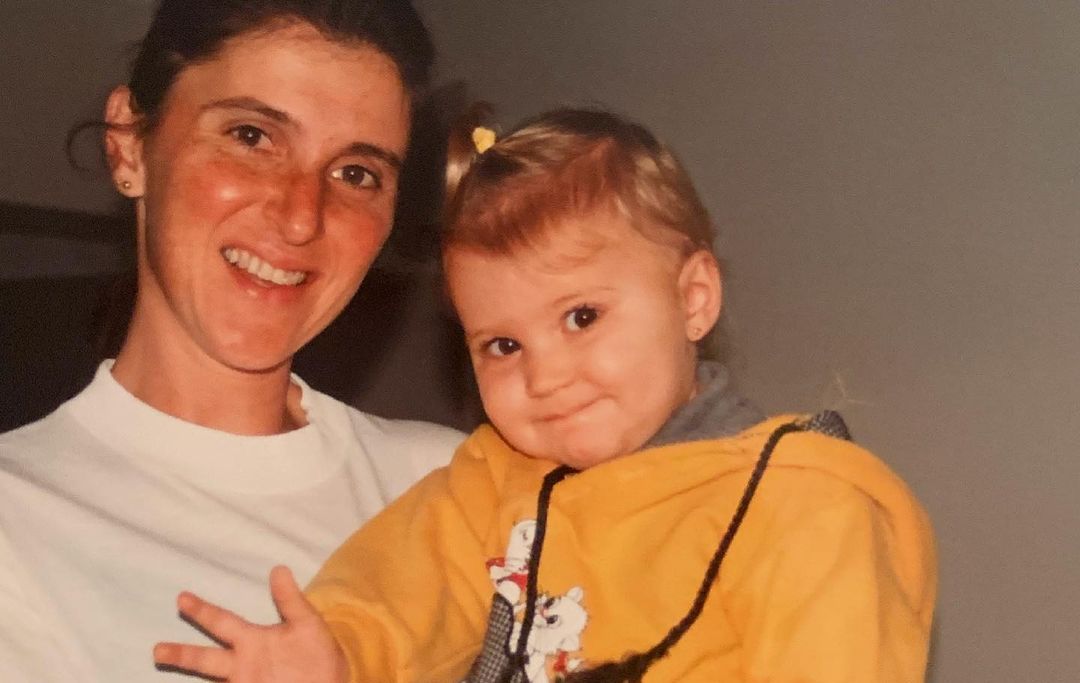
{"points": [[300, 648]]}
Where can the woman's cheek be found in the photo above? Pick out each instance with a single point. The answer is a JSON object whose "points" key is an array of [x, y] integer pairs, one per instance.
{"points": [[225, 184], [357, 229]]}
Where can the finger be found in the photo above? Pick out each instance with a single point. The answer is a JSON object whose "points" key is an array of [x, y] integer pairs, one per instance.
{"points": [[289, 599], [219, 623], [214, 662]]}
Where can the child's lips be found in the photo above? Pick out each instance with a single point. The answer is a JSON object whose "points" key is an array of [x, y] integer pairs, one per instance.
{"points": [[567, 413]]}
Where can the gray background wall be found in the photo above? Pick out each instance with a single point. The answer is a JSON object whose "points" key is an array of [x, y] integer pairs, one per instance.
{"points": [[897, 188]]}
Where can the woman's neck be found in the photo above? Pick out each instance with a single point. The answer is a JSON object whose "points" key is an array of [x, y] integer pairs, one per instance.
{"points": [[193, 387]]}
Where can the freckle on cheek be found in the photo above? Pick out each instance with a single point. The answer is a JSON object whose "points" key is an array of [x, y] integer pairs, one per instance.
{"points": [[215, 181]]}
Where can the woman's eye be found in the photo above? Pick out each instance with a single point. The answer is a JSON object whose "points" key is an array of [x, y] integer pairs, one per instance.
{"points": [[581, 317], [248, 135], [356, 176], [502, 346]]}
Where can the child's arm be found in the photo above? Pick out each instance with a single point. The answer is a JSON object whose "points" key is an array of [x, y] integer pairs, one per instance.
{"points": [[299, 648], [407, 596]]}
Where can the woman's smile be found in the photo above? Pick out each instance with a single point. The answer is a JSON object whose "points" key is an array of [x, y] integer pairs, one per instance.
{"points": [[263, 271]]}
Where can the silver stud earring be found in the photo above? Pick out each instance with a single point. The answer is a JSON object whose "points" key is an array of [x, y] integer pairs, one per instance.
{"points": [[125, 184]]}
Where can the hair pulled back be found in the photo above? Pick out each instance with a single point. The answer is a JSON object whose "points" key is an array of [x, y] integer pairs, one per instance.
{"points": [[186, 32], [562, 164]]}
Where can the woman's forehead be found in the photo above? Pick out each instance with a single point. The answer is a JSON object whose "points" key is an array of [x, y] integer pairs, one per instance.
{"points": [[277, 45], [295, 74]]}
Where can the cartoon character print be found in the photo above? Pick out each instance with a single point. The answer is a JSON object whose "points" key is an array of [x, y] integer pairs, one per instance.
{"points": [[558, 621], [556, 632], [510, 573]]}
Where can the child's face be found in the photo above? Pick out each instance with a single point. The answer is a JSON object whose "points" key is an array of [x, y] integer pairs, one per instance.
{"points": [[585, 345]]}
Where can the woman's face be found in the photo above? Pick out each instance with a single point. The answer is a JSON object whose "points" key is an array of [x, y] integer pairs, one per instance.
{"points": [[263, 193]]}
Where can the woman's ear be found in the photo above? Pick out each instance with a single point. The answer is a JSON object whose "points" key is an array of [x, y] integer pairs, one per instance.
{"points": [[702, 293], [123, 143]]}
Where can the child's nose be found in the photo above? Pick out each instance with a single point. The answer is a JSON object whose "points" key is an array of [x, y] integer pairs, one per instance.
{"points": [[548, 371]]}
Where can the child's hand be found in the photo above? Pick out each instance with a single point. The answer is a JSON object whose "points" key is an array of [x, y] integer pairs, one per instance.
{"points": [[300, 648]]}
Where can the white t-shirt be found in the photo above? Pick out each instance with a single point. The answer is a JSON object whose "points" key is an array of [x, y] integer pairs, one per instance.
{"points": [[109, 507]]}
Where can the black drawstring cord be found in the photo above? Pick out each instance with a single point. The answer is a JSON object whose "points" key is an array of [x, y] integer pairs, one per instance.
{"points": [[633, 668], [543, 501]]}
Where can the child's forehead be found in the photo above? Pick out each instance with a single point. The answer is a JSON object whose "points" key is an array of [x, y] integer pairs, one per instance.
{"points": [[573, 241], [576, 257]]}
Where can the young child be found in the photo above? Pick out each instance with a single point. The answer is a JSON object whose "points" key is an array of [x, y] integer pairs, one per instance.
{"points": [[625, 514]]}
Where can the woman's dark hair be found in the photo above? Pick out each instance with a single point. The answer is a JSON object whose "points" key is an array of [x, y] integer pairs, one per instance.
{"points": [[186, 32]]}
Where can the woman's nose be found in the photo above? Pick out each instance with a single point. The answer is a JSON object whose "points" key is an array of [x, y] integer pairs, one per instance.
{"points": [[302, 209]]}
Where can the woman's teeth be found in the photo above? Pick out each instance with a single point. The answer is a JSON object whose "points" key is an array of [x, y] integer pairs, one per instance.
{"points": [[251, 263]]}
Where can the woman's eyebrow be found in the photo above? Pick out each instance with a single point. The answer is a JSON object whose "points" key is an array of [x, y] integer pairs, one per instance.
{"points": [[250, 104], [258, 106], [369, 150]]}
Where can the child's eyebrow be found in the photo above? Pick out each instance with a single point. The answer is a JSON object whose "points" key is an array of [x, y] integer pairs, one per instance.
{"points": [[578, 296]]}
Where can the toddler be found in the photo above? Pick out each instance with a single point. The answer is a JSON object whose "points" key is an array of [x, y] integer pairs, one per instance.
{"points": [[625, 515]]}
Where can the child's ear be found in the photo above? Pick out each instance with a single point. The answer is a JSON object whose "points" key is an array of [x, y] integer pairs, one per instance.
{"points": [[123, 143], [702, 293]]}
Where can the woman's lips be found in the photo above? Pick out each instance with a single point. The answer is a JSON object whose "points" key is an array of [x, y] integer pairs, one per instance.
{"points": [[265, 271]]}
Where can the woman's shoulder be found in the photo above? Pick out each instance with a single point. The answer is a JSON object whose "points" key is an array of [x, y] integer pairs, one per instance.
{"points": [[405, 433], [55, 433], [410, 435], [417, 446]]}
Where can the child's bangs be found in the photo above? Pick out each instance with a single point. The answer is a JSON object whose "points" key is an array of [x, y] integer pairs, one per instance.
{"points": [[520, 210]]}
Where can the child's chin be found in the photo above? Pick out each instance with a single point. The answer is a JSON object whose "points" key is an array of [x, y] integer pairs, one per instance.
{"points": [[584, 456], [580, 449]]}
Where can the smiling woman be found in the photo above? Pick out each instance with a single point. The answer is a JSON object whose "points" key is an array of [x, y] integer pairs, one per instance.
{"points": [[260, 142], [293, 144]]}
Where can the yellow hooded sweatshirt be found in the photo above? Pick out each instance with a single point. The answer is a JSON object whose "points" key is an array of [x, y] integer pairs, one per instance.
{"points": [[830, 578]]}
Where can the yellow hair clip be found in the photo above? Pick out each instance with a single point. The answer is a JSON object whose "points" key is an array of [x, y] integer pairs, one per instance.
{"points": [[483, 139]]}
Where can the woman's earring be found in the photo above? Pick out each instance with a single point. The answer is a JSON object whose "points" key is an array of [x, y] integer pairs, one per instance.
{"points": [[125, 184]]}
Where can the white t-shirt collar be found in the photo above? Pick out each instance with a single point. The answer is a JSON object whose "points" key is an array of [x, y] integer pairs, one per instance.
{"points": [[209, 457]]}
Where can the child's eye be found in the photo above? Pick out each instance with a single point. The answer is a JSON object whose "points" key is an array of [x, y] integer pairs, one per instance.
{"points": [[502, 346], [248, 135], [580, 318], [356, 176]]}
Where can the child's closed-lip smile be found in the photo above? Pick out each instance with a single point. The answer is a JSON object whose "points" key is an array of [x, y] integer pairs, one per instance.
{"points": [[570, 413]]}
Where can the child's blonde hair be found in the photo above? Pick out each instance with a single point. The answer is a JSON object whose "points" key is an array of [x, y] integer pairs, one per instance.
{"points": [[562, 164]]}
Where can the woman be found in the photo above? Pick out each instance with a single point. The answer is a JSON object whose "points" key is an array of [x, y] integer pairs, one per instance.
{"points": [[260, 142]]}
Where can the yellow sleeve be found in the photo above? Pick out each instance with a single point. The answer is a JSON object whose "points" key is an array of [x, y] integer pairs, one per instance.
{"points": [[839, 597], [402, 596]]}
